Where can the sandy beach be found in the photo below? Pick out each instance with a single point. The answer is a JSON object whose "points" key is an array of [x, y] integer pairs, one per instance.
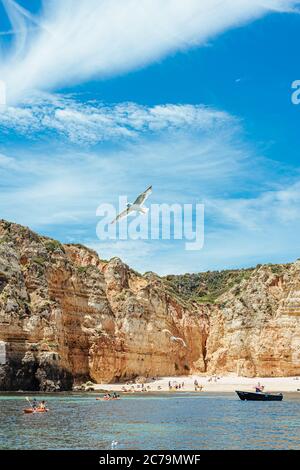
{"points": [[228, 383]]}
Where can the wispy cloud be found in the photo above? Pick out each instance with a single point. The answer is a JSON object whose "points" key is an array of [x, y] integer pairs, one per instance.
{"points": [[185, 151], [267, 211], [249, 231], [79, 40], [249, 218], [260, 229], [89, 123]]}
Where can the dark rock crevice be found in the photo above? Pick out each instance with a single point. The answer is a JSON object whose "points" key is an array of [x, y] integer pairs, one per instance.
{"points": [[32, 376], [3, 281]]}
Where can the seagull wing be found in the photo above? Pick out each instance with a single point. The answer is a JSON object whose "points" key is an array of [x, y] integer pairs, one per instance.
{"points": [[142, 197], [178, 340], [167, 331], [122, 214], [182, 341]]}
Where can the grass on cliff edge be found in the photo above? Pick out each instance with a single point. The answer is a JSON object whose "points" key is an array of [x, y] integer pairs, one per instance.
{"points": [[206, 287]]}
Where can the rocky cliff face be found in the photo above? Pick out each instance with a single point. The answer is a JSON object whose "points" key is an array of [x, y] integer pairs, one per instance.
{"points": [[256, 328], [253, 321], [66, 316]]}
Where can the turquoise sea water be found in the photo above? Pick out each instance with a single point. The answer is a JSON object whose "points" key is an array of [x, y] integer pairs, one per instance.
{"points": [[177, 421]]}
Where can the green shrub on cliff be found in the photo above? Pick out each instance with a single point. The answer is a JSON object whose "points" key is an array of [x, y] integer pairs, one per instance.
{"points": [[39, 260], [54, 245], [278, 268], [208, 286], [82, 269]]}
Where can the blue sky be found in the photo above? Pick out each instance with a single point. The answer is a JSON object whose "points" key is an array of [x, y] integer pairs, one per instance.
{"points": [[196, 102]]}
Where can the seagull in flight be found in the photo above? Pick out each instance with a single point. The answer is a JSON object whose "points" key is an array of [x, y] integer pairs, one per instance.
{"points": [[175, 338], [137, 206]]}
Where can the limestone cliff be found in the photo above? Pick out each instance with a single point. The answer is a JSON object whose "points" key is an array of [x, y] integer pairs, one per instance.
{"points": [[256, 328], [67, 316], [254, 318]]}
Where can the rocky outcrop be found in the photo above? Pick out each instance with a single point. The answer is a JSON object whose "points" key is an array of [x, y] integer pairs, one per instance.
{"points": [[66, 317], [255, 331]]}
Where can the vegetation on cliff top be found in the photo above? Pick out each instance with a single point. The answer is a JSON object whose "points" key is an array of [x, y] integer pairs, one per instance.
{"points": [[206, 287]]}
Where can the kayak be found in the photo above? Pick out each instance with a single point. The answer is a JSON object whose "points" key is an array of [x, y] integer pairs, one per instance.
{"points": [[107, 399], [259, 396], [37, 410]]}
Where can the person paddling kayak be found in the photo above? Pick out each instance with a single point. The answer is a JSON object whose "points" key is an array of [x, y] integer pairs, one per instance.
{"points": [[36, 407]]}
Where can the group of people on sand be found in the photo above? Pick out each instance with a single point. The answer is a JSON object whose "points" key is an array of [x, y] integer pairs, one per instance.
{"points": [[113, 396], [197, 386], [214, 378], [175, 385], [38, 406], [136, 388]]}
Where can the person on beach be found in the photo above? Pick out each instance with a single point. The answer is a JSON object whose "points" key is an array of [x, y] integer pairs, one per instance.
{"points": [[196, 385]]}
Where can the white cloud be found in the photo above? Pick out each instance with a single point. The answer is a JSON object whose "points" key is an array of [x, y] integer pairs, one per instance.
{"points": [[79, 40], [51, 185], [56, 192], [268, 210], [260, 229], [203, 157], [7, 162], [94, 122]]}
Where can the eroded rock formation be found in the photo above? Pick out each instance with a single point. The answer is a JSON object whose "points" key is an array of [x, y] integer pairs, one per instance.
{"points": [[66, 316], [256, 329]]}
